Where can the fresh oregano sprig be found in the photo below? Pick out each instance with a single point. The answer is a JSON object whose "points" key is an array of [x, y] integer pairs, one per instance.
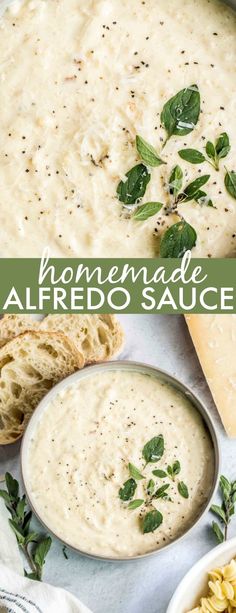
{"points": [[152, 452], [174, 469], [214, 152], [226, 510], [181, 236], [179, 116], [34, 546]]}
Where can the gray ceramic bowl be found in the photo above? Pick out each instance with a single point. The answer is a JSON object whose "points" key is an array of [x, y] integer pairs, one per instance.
{"points": [[130, 366]]}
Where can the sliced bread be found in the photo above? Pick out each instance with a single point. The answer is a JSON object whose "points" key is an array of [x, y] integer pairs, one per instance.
{"points": [[30, 365], [98, 337]]}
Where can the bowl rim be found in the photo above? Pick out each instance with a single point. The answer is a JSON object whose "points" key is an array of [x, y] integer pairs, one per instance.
{"points": [[138, 367], [210, 558]]}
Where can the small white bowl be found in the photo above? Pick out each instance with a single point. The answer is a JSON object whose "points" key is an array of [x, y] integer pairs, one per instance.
{"points": [[194, 585]]}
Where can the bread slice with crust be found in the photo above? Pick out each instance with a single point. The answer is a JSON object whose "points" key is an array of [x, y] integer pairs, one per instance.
{"points": [[98, 337], [30, 365]]}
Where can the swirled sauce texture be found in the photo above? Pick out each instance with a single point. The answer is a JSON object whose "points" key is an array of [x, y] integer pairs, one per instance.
{"points": [[79, 454], [79, 79]]}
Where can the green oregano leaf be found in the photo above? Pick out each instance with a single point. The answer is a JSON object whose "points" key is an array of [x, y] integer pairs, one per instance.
{"points": [[183, 490], [176, 467], [159, 473], [12, 485], [218, 532], [230, 183], [147, 152], [175, 181], [154, 449], [152, 521], [210, 150], [147, 210], [219, 512], [134, 504], [222, 145], [135, 472], [32, 537], [127, 491], [180, 114], [192, 155], [150, 487], [177, 240], [161, 491], [6, 497], [18, 531], [226, 488], [41, 551], [192, 188], [21, 508], [131, 190]]}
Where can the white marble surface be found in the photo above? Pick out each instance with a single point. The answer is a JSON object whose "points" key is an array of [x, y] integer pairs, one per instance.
{"points": [[143, 585]]}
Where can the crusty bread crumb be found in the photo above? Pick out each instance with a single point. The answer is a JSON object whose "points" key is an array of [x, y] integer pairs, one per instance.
{"points": [[98, 337], [12, 325]]}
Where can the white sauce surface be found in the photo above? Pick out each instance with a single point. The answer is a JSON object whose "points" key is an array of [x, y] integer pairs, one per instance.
{"points": [[79, 453], [79, 79]]}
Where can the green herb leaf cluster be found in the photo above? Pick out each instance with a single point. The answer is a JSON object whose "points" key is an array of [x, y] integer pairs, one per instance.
{"points": [[34, 546], [214, 152], [152, 452], [179, 117], [174, 469], [131, 191], [192, 190], [226, 510]]}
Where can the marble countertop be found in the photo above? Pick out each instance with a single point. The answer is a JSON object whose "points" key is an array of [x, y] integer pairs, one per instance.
{"points": [[148, 584]]}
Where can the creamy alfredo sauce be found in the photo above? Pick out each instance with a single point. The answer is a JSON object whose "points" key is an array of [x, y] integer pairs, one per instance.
{"points": [[79, 79], [79, 454]]}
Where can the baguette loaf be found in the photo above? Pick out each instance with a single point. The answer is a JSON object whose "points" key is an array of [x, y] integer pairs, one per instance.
{"points": [[30, 365], [214, 338]]}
